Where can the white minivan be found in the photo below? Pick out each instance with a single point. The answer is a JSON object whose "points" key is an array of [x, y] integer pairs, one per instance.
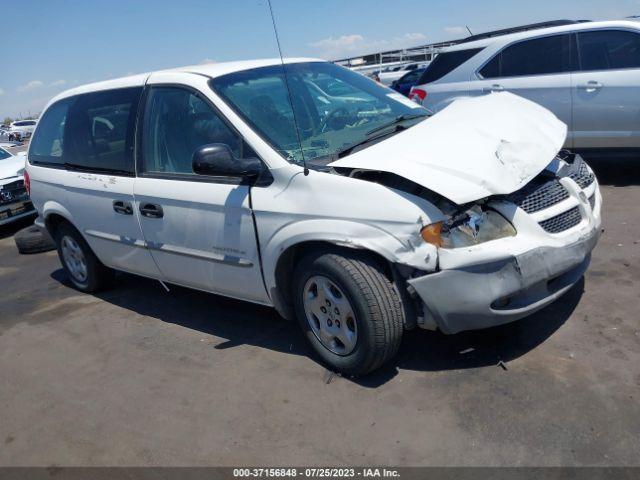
{"points": [[586, 73], [361, 219]]}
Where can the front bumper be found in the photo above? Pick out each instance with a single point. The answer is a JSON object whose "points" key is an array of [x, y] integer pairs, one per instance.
{"points": [[508, 279], [486, 295]]}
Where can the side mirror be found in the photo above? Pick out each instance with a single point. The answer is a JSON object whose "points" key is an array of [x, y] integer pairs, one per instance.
{"points": [[217, 159]]}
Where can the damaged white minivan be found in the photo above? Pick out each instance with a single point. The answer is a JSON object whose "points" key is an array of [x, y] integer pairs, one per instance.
{"points": [[308, 187]]}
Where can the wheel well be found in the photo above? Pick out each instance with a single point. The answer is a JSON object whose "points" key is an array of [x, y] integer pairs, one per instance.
{"points": [[53, 221], [292, 255]]}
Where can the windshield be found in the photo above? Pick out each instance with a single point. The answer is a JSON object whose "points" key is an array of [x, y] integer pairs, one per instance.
{"points": [[4, 154], [333, 107]]}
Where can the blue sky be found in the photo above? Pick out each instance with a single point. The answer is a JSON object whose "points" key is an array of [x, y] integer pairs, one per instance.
{"points": [[62, 43]]}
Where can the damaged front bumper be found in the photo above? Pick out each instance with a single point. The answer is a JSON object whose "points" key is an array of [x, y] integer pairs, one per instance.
{"points": [[14, 201], [506, 280]]}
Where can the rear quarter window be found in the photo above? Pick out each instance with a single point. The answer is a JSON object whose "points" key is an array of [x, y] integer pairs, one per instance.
{"points": [[47, 145], [446, 63]]}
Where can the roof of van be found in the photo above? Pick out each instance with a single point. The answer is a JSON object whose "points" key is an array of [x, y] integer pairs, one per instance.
{"points": [[541, 32], [208, 69]]}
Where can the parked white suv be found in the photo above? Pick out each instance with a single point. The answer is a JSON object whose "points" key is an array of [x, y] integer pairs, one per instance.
{"points": [[368, 219], [587, 74], [24, 128]]}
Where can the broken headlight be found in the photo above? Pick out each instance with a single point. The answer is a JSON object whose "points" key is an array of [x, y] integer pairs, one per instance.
{"points": [[472, 227]]}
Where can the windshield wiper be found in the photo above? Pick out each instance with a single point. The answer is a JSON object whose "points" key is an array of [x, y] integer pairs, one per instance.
{"points": [[85, 168], [396, 121], [347, 150], [372, 138]]}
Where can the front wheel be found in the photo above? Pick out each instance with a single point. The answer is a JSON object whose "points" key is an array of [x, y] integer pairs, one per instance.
{"points": [[349, 311]]}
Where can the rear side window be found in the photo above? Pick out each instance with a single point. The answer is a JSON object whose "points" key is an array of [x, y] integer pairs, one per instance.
{"points": [[609, 50], [47, 144], [446, 63], [540, 56], [99, 133], [4, 154]]}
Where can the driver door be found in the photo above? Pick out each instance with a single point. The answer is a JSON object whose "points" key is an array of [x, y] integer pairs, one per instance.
{"points": [[199, 229]]}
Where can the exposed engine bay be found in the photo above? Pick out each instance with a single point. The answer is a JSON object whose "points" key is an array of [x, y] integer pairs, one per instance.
{"points": [[477, 222]]}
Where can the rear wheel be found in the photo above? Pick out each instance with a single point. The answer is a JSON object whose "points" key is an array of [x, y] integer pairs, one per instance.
{"points": [[349, 311], [83, 268]]}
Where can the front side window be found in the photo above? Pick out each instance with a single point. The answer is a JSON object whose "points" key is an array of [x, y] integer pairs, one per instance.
{"points": [[176, 123], [99, 132], [609, 50], [540, 56], [302, 116], [48, 141]]}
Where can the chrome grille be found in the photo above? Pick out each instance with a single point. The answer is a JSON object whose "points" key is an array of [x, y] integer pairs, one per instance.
{"points": [[539, 195], [582, 177], [562, 222]]}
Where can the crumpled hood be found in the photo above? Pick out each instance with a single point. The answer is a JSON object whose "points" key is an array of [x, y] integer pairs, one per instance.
{"points": [[474, 148], [9, 168]]}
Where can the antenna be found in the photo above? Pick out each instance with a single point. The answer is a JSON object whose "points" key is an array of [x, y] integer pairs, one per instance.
{"points": [[468, 30], [286, 83]]}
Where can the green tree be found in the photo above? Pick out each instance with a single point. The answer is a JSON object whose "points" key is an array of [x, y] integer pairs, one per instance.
{"points": [[7, 120]]}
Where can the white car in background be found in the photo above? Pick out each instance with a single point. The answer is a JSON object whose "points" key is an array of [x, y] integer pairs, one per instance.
{"points": [[14, 200], [388, 77], [24, 128], [586, 73], [7, 136]]}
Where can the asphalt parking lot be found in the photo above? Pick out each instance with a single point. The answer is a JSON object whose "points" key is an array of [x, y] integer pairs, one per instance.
{"points": [[138, 376]]}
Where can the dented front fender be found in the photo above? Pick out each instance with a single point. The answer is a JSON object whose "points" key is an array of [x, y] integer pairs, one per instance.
{"points": [[404, 246]]}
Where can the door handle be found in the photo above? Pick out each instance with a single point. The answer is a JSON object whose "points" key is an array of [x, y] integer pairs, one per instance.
{"points": [[591, 86], [151, 210], [494, 88], [123, 208]]}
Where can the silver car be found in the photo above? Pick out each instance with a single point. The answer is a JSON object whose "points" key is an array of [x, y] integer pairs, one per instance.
{"points": [[587, 73]]}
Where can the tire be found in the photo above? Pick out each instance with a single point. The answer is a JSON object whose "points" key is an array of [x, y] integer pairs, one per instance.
{"points": [[33, 239], [371, 297], [76, 257]]}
